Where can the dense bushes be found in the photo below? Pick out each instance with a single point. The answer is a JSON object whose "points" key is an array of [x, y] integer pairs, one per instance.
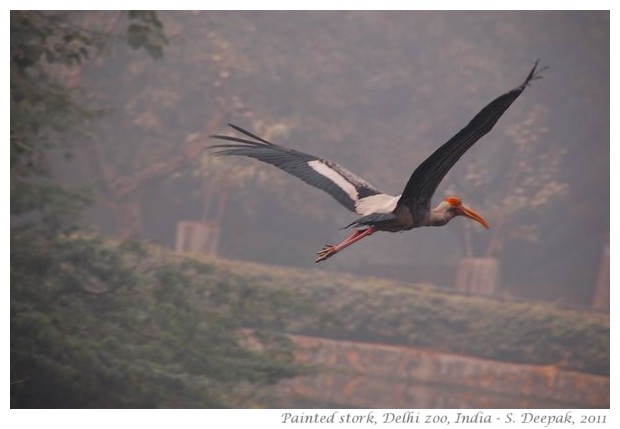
{"points": [[375, 310], [100, 325], [96, 325]]}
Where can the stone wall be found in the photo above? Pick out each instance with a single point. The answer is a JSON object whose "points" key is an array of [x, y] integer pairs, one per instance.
{"points": [[383, 376]]}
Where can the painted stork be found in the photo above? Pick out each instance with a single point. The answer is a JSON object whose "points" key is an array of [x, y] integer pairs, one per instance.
{"points": [[380, 211]]}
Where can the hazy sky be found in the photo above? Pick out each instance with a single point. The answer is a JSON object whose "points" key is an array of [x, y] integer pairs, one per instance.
{"points": [[378, 92]]}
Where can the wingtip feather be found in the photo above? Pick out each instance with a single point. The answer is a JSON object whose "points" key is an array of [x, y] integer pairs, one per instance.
{"points": [[534, 74], [249, 134]]}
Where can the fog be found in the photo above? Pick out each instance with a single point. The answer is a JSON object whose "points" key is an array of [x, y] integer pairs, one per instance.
{"points": [[376, 92]]}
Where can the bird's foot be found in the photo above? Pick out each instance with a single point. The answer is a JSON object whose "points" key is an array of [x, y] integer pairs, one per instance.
{"points": [[327, 251]]}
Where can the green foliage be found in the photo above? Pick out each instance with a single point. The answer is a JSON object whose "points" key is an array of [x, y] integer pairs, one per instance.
{"points": [[116, 326], [43, 112], [46, 48], [45, 205], [146, 31], [101, 325], [373, 310], [37, 36]]}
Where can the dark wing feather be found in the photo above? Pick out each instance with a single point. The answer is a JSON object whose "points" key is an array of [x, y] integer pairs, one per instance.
{"points": [[426, 178], [344, 186]]}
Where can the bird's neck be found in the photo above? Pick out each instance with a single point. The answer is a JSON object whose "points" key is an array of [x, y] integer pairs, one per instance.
{"points": [[440, 215]]}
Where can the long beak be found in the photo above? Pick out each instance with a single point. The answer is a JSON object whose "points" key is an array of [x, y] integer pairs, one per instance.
{"points": [[472, 214]]}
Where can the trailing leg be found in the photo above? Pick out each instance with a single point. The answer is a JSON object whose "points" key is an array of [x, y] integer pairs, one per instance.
{"points": [[330, 250]]}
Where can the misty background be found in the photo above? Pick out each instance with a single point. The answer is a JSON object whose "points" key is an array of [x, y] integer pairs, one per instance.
{"points": [[376, 92], [147, 273]]}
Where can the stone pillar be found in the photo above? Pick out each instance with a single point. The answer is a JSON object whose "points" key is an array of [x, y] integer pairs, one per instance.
{"points": [[198, 237], [601, 294], [478, 276]]}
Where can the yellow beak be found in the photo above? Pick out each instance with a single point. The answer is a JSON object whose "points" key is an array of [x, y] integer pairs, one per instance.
{"points": [[472, 214]]}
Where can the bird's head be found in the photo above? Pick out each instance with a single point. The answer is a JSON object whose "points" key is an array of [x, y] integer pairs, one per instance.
{"points": [[453, 206]]}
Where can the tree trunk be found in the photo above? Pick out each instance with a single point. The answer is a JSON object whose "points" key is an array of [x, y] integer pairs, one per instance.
{"points": [[121, 191], [478, 276], [128, 216]]}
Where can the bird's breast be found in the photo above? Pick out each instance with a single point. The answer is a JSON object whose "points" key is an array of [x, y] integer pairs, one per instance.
{"points": [[402, 220]]}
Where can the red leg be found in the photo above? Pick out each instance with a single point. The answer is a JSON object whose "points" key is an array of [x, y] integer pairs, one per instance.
{"points": [[330, 250]]}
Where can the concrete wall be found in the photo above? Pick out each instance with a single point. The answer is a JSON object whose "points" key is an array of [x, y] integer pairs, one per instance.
{"points": [[382, 376]]}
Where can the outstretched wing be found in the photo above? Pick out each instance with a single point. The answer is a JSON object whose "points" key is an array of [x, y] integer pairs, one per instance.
{"points": [[426, 178], [347, 188]]}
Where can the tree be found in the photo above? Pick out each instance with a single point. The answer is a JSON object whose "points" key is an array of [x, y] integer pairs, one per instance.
{"points": [[114, 327], [337, 85], [49, 52], [111, 325], [42, 112], [516, 192]]}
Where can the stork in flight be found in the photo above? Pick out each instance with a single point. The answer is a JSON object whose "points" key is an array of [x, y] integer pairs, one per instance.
{"points": [[380, 211]]}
